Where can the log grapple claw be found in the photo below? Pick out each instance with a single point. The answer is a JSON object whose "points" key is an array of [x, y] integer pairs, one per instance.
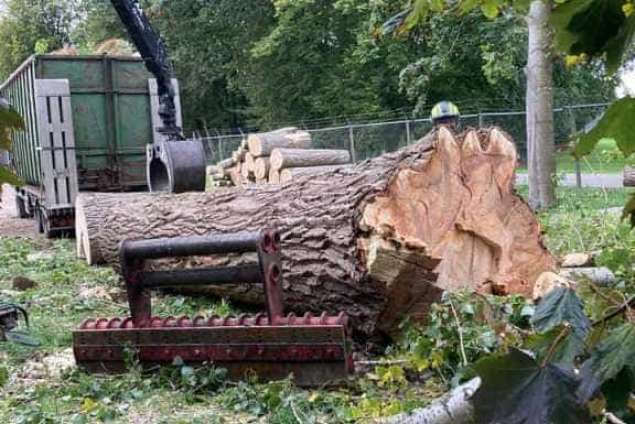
{"points": [[315, 349]]}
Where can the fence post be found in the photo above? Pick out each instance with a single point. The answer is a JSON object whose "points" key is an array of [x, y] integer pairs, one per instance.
{"points": [[408, 140], [221, 152], [351, 141], [576, 161], [480, 119]]}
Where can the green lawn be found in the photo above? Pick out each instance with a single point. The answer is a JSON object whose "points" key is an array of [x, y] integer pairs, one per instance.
{"points": [[606, 158]]}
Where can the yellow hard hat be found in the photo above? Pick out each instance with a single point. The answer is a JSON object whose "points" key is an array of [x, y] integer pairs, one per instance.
{"points": [[444, 110]]}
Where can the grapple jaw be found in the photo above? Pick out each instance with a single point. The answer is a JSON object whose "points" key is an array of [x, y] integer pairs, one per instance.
{"points": [[315, 349]]}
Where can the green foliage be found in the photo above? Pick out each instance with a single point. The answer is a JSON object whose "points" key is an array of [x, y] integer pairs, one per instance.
{"points": [[518, 390], [615, 354], [594, 28], [27, 26], [10, 121], [616, 123]]}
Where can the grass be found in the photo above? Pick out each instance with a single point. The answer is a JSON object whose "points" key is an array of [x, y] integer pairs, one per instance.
{"points": [[605, 159], [180, 394]]}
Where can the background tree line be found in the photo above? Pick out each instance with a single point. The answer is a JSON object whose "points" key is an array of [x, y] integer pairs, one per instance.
{"points": [[264, 63]]}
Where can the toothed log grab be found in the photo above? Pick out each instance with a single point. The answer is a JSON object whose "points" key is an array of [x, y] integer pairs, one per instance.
{"points": [[379, 239]]}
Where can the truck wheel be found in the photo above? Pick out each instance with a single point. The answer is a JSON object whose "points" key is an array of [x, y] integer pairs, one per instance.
{"points": [[39, 223], [20, 207]]}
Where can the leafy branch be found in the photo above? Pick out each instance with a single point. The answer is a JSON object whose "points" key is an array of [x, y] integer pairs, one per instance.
{"points": [[10, 120]]}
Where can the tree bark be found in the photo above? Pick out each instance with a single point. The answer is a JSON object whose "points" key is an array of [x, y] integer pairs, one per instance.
{"points": [[629, 177], [289, 174], [379, 240], [262, 144], [298, 158], [539, 106]]}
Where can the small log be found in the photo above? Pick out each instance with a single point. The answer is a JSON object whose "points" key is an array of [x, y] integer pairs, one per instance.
{"points": [[238, 155], [245, 171], [226, 163], [298, 158], [250, 162], [455, 407], [262, 144], [577, 260], [235, 175], [629, 177], [274, 176], [601, 276], [261, 168], [288, 174]]}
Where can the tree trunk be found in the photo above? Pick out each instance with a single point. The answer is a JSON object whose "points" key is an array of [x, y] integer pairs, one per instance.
{"points": [[298, 158], [540, 132], [379, 240], [629, 177]]}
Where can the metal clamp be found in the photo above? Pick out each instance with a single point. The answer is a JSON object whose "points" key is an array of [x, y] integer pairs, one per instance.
{"points": [[267, 271]]}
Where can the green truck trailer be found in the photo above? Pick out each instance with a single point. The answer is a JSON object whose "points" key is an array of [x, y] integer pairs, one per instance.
{"points": [[88, 121]]}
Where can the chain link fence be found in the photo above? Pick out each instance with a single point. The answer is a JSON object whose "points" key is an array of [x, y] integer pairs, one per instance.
{"points": [[367, 140]]}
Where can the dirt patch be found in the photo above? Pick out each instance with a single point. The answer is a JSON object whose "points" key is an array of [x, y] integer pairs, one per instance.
{"points": [[15, 227]]}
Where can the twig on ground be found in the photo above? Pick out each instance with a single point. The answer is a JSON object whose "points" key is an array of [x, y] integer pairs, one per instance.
{"points": [[460, 330], [610, 417], [626, 305]]}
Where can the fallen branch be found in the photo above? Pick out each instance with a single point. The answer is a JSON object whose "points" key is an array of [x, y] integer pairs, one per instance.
{"points": [[629, 304], [455, 407]]}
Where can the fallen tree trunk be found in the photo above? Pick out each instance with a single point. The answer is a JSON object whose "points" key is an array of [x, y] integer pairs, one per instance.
{"points": [[298, 158], [289, 174], [379, 240], [262, 144], [629, 177]]}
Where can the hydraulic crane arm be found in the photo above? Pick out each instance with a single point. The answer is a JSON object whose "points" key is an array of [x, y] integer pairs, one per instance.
{"points": [[154, 52]]}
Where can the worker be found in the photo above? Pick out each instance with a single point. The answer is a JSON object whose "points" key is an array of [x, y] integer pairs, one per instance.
{"points": [[445, 113]]}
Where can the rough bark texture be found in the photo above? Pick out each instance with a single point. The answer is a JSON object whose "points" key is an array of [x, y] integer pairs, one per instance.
{"points": [[262, 144], [289, 174], [540, 132], [379, 240], [629, 177], [298, 158]]}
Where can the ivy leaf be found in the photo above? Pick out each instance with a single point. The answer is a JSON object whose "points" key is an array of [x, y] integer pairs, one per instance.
{"points": [[565, 351], [517, 390], [608, 360], [6, 176], [616, 123], [490, 8], [561, 305]]}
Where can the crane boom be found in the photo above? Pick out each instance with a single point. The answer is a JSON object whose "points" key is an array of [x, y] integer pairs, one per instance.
{"points": [[154, 53]]}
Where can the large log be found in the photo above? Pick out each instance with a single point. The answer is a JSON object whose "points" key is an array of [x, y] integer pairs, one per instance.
{"points": [[299, 158], [379, 240], [262, 144], [629, 177], [289, 174]]}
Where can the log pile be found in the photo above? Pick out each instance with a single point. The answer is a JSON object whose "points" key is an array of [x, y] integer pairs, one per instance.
{"points": [[277, 157], [379, 240]]}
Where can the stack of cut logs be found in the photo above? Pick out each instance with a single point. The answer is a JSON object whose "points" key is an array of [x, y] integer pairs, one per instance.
{"points": [[275, 157]]}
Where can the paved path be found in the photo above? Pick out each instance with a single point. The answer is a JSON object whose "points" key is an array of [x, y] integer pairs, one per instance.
{"points": [[588, 180]]}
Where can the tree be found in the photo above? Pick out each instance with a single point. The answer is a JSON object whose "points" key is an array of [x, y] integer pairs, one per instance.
{"points": [[10, 120], [539, 107], [33, 26]]}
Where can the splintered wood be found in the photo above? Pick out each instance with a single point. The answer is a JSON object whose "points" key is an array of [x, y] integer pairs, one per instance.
{"points": [[379, 240]]}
